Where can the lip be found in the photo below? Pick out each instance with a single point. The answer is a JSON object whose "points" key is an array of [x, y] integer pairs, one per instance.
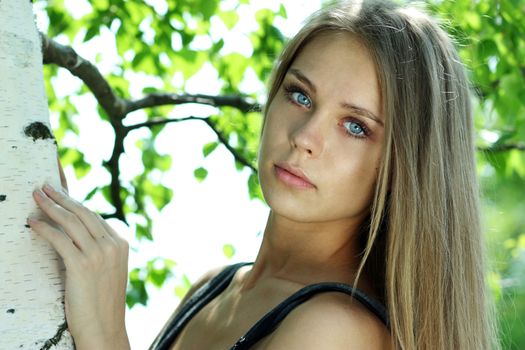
{"points": [[292, 176]]}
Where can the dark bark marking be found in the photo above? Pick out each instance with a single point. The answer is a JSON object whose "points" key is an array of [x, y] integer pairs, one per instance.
{"points": [[10, 311], [56, 339], [27, 226], [3, 197], [38, 130]]}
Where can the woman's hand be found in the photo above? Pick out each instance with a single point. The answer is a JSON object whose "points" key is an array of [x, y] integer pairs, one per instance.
{"points": [[96, 258]]}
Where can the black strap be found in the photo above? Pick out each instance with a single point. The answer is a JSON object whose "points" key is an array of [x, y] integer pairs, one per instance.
{"points": [[271, 320], [194, 304]]}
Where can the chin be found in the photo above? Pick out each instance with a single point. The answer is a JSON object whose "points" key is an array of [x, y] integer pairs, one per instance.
{"points": [[295, 210]]}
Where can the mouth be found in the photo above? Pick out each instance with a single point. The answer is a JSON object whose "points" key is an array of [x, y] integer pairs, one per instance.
{"points": [[292, 176]]}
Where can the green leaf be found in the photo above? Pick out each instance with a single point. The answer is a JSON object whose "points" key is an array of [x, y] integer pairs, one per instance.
{"points": [[182, 288], [138, 59], [487, 48], [75, 158], [143, 232], [209, 147], [149, 90], [93, 31], [208, 8], [159, 270], [148, 156], [200, 174], [106, 192], [136, 293], [282, 12], [163, 162], [159, 194], [91, 194], [229, 18], [254, 187], [228, 250], [81, 168], [217, 46], [232, 68], [516, 162], [239, 166]]}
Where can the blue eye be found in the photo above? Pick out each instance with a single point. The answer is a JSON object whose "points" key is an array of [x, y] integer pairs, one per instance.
{"points": [[301, 98], [297, 96], [355, 129]]}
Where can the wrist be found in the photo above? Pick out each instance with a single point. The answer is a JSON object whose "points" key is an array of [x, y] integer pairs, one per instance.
{"points": [[118, 341]]}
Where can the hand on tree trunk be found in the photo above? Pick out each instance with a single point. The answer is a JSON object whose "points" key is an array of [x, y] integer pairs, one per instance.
{"points": [[96, 258]]}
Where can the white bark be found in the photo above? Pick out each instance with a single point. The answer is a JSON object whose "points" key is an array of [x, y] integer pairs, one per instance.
{"points": [[31, 275]]}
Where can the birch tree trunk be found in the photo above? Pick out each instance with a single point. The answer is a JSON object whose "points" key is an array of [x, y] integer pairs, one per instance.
{"points": [[31, 275]]}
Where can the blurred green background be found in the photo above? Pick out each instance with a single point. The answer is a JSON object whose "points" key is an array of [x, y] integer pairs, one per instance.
{"points": [[171, 41]]}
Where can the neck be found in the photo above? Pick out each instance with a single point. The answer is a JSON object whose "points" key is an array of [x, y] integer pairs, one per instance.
{"points": [[306, 253]]}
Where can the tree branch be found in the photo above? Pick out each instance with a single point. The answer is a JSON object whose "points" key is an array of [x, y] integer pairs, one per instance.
{"points": [[161, 121], [502, 148], [238, 157], [244, 104], [118, 108], [66, 57]]}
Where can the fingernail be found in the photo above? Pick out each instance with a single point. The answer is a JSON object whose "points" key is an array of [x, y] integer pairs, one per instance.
{"points": [[31, 221], [39, 194], [49, 188]]}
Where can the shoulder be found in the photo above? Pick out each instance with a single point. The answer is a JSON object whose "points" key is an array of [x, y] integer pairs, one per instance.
{"points": [[195, 286], [201, 281], [330, 321]]}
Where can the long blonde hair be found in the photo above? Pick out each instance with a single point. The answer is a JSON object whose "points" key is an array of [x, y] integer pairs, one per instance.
{"points": [[423, 243]]}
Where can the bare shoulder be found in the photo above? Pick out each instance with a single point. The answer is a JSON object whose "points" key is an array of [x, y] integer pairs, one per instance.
{"points": [[196, 286], [330, 321], [199, 283]]}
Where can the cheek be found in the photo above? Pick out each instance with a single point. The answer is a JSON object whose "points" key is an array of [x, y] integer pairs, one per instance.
{"points": [[356, 173], [274, 132]]}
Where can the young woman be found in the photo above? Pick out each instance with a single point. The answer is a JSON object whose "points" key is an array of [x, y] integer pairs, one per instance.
{"points": [[367, 164]]}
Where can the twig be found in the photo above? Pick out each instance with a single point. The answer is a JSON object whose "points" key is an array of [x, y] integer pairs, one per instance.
{"points": [[161, 121]]}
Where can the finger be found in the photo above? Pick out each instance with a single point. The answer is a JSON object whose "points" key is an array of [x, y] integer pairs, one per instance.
{"points": [[63, 179], [120, 241], [71, 224], [87, 217], [108, 229], [60, 242]]}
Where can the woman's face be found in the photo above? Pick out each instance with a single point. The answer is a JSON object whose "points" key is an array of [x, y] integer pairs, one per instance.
{"points": [[322, 141]]}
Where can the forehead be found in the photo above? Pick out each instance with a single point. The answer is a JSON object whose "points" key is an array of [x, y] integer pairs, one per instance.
{"points": [[341, 65]]}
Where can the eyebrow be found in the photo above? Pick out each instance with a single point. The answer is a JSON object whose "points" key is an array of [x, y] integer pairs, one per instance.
{"points": [[356, 109]]}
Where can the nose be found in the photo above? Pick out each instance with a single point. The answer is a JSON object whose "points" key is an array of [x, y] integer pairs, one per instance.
{"points": [[307, 137]]}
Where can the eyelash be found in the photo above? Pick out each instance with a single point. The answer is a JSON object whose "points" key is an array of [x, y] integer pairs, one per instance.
{"points": [[290, 89], [364, 128]]}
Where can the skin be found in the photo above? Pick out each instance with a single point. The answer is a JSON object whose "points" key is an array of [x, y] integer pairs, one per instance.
{"points": [[315, 230], [311, 233], [96, 258], [312, 230]]}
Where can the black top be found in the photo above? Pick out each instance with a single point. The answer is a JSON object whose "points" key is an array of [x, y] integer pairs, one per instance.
{"points": [[269, 322]]}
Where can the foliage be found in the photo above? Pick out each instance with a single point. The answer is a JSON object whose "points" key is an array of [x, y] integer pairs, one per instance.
{"points": [[168, 41], [171, 41], [491, 38]]}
